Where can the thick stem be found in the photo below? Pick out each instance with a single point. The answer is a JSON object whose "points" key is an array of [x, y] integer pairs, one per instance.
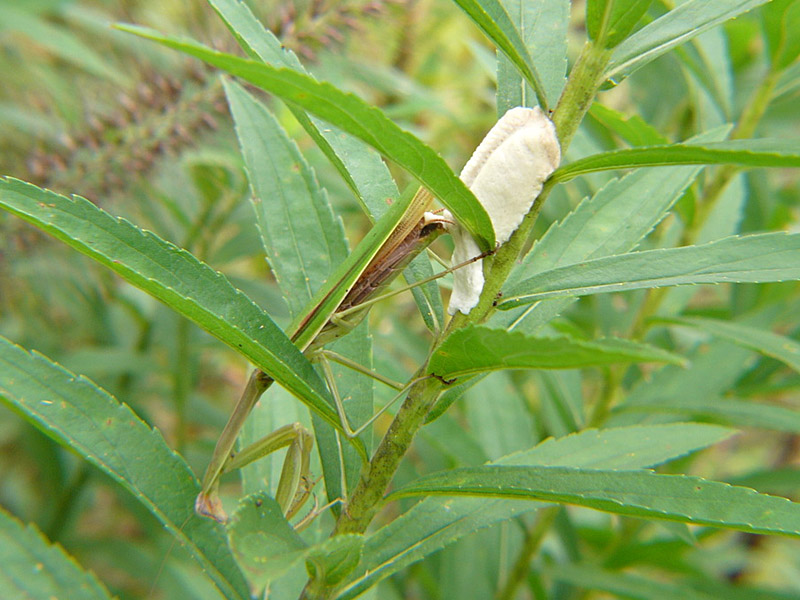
{"points": [[376, 476]]}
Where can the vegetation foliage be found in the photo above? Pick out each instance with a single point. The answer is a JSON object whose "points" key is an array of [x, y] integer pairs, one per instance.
{"points": [[617, 417]]}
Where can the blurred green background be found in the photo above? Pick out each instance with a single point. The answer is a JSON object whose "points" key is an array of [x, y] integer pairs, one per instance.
{"points": [[145, 133]]}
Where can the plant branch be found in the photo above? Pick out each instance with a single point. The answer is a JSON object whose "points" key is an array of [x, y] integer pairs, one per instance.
{"points": [[367, 497]]}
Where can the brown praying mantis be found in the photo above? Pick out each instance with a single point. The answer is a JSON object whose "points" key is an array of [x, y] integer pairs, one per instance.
{"points": [[506, 172], [404, 231]]}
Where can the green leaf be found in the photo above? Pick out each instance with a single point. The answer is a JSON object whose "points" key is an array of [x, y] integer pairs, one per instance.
{"points": [[334, 559], [780, 347], [633, 447], [267, 546], [176, 278], [714, 367], [623, 585], [79, 415], [434, 523], [507, 411], [708, 60], [631, 493], [754, 258], [303, 239], [781, 24], [613, 221], [358, 164], [608, 22], [748, 153], [264, 543], [493, 20], [739, 413], [32, 569], [476, 349], [676, 27], [633, 129], [356, 117], [543, 28], [360, 167], [561, 400]]}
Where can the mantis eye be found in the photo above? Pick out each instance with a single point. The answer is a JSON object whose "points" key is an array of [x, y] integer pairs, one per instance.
{"points": [[506, 173]]}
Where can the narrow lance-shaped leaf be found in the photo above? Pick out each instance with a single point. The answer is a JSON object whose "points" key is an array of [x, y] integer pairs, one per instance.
{"points": [[713, 371], [176, 278], [303, 239], [543, 29], [78, 414], [267, 546], [608, 22], [630, 493], [263, 540], [755, 258], [434, 523], [613, 221], [353, 115], [706, 58], [31, 568], [631, 128], [679, 25], [736, 413], [476, 349], [762, 152], [780, 347], [492, 18], [359, 165]]}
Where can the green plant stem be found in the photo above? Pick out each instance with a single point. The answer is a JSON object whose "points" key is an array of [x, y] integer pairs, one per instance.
{"points": [[577, 97], [519, 572], [579, 92], [368, 494], [748, 122], [584, 80]]}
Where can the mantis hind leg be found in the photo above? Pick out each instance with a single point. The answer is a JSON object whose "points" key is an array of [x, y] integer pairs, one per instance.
{"points": [[295, 483]]}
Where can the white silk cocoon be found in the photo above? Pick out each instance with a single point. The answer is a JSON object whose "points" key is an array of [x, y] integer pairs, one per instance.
{"points": [[506, 173]]}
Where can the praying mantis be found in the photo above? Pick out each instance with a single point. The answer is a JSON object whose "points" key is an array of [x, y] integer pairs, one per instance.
{"points": [[401, 234], [506, 172]]}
